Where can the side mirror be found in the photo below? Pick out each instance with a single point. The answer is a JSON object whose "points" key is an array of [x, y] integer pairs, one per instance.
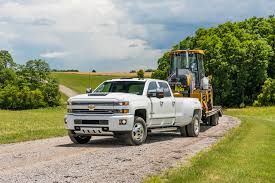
{"points": [[89, 90], [159, 93], [152, 93]]}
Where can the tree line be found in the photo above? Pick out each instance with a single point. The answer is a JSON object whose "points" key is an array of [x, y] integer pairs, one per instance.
{"points": [[239, 56], [26, 86]]}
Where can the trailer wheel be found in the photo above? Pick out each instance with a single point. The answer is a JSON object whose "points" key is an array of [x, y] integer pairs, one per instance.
{"points": [[214, 119], [78, 139], [193, 129], [138, 134]]}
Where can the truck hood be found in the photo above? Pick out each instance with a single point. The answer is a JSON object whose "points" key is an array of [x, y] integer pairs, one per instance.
{"points": [[106, 97]]}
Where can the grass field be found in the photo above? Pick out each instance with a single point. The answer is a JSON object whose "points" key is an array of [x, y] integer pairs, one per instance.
{"points": [[79, 82], [120, 74], [246, 154], [34, 124]]}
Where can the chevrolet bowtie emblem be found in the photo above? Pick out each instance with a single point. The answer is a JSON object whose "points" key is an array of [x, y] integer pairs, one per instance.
{"points": [[91, 107]]}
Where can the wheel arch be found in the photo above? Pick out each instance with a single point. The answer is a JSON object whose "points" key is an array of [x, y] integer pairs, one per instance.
{"points": [[198, 111], [141, 113]]}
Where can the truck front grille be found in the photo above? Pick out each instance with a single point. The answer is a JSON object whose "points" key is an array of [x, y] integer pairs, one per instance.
{"points": [[91, 122], [95, 111], [93, 103]]}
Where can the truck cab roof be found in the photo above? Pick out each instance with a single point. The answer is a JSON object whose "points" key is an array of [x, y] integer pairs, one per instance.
{"points": [[134, 79]]}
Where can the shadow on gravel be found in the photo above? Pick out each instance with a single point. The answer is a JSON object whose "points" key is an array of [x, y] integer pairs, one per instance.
{"points": [[153, 137]]}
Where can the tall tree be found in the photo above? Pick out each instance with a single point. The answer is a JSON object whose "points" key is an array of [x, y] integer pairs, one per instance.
{"points": [[239, 56], [6, 59]]}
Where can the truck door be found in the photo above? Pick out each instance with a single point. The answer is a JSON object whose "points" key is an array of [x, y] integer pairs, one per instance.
{"points": [[167, 105], [155, 113]]}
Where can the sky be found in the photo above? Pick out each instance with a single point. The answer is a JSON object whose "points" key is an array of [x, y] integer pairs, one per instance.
{"points": [[111, 35]]}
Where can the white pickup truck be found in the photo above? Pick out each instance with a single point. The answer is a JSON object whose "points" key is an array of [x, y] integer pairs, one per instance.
{"points": [[128, 109]]}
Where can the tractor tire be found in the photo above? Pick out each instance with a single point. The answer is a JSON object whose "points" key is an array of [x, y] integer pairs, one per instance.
{"points": [[79, 139], [138, 134], [214, 119], [193, 129]]}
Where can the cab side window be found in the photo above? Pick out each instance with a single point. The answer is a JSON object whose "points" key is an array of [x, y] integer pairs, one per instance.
{"points": [[152, 87], [165, 88]]}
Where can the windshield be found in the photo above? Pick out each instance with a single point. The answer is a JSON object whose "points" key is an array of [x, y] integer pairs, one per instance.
{"points": [[135, 87], [179, 61]]}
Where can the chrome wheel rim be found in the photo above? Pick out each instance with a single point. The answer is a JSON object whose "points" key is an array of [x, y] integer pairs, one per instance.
{"points": [[196, 126], [138, 132]]}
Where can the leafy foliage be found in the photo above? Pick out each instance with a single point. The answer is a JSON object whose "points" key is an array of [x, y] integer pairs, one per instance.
{"points": [[140, 73], [6, 59], [27, 86], [267, 95], [239, 56]]}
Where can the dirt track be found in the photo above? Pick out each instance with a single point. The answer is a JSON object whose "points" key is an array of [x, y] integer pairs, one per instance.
{"points": [[104, 159], [67, 91]]}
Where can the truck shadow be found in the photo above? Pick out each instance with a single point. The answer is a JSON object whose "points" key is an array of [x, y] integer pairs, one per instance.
{"points": [[111, 142]]}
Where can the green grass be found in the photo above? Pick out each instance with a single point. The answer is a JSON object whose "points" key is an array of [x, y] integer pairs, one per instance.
{"points": [[79, 82], [246, 154], [16, 126]]}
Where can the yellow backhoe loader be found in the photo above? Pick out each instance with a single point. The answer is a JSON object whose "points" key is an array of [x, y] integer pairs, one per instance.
{"points": [[187, 79]]}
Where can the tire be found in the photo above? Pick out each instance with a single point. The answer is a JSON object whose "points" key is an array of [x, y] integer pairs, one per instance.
{"points": [[214, 119], [78, 139], [193, 129], [138, 134], [183, 131]]}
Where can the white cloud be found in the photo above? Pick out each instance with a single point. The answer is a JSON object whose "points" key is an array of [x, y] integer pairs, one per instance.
{"points": [[93, 32], [54, 54], [110, 34]]}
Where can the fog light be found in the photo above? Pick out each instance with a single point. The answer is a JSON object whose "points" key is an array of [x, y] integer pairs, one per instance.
{"points": [[105, 129], [122, 122]]}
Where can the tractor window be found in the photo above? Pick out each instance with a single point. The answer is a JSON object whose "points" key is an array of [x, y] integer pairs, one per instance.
{"points": [[200, 66], [179, 61], [193, 62]]}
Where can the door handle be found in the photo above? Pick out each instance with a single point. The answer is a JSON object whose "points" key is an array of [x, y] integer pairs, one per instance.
{"points": [[173, 103], [161, 103]]}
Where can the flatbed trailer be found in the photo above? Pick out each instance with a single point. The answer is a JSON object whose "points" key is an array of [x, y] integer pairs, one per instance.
{"points": [[212, 117]]}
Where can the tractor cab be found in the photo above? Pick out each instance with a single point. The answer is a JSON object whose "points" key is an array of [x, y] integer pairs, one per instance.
{"points": [[187, 79], [186, 71]]}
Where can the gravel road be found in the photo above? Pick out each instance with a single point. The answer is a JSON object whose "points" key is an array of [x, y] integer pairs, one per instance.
{"points": [[104, 159], [67, 91]]}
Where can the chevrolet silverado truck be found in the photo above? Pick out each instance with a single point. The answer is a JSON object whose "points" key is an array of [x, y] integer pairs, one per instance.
{"points": [[128, 109]]}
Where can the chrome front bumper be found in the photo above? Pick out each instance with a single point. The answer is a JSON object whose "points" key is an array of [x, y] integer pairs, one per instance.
{"points": [[98, 124]]}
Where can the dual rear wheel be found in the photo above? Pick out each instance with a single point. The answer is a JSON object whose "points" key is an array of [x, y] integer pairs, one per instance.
{"points": [[192, 129]]}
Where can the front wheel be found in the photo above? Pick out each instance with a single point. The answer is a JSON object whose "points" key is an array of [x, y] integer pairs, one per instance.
{"points": [[193, 129], [78, 139], [138, 134]]}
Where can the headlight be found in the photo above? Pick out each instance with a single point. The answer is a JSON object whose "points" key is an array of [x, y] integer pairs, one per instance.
{"points": [[123, 103], [124, 111]]}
